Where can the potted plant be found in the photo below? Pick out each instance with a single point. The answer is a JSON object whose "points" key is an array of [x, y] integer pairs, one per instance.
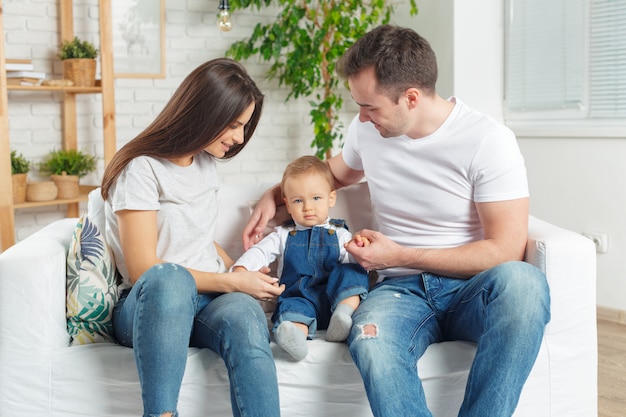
{"points": [[303, 43], [66, 167], [19, 172], [79, 62]]}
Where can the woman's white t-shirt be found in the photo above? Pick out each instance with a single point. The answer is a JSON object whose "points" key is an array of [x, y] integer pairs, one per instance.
{"points": [[423, 191], [185, 199]]}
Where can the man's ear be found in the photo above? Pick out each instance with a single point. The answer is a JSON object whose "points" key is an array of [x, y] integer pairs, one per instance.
{"points": [[412, 97], [332, 198]]}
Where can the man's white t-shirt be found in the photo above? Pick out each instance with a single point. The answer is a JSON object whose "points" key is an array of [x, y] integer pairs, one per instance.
{"points": [[423, 191], [185, 199]]}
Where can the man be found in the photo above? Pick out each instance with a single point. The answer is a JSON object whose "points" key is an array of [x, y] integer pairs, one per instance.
{"points": [[450, 195]]}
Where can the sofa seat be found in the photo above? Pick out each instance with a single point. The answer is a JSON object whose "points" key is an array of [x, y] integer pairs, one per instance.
{"points": [[42, 376]]}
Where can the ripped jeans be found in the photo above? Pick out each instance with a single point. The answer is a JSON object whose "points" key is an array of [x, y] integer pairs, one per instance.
{"points": [[504, 310], [162, 315]]}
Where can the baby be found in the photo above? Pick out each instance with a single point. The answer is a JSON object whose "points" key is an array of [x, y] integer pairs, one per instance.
{"points": [[319, 276]]}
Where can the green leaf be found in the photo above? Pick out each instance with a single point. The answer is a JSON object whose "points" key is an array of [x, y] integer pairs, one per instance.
{"points": [[77, 49], [19, 164], [71, 161]]}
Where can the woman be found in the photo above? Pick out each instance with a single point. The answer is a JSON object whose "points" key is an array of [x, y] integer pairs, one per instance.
{"points": [[161, 210]]}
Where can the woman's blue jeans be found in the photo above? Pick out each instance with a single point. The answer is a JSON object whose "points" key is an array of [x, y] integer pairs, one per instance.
{"points": [[503, 310], [162, 315]]}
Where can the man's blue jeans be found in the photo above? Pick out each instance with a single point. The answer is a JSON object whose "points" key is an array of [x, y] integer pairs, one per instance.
{"points": [[503, 310], [163, 315]]}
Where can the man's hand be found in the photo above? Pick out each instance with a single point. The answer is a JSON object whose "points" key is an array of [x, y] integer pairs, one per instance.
{"points": [[263, 212], [372, 250]]}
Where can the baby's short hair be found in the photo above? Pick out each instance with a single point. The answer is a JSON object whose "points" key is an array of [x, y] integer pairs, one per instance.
{"points": [[308, 164]]}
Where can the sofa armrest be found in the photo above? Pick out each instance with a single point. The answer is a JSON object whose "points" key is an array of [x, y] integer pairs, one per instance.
{"points": [[569, 261], [32, 289], [570, 339]]}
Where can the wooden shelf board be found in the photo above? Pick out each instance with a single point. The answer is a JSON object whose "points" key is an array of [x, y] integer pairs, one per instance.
{"points": [[75, 90], [84, 192]]}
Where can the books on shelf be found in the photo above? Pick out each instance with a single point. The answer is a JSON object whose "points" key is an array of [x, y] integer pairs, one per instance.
{"points": [[12, 64], [26, 74], [22, 72], [23, 81]]}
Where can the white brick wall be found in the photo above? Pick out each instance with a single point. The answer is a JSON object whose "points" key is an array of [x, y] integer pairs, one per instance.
{"points": [[192, 37]]}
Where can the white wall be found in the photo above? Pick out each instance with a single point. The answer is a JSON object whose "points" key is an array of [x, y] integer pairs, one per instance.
{"points": [[575, 183], [580, 184]]}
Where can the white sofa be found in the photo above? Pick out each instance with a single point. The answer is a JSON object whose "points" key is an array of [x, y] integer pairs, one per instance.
{"points": [[40, 375]]}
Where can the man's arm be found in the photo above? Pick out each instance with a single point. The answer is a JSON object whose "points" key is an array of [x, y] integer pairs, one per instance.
{"points": [[505, 225], [344, 175], [264, 211]]}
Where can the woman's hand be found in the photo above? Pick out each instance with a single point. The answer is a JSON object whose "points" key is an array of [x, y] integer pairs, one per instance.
{"points": [[256, 283]]}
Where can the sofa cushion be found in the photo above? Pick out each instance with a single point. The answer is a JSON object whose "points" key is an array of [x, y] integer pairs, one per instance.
{"points": [[91, 285], [95, 209]]}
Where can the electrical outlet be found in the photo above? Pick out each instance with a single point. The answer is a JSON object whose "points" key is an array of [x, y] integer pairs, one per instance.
{"points": [[600, 239]]}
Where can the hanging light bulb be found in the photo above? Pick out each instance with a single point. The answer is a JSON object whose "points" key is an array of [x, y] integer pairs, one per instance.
{"points": [[224, 22]]}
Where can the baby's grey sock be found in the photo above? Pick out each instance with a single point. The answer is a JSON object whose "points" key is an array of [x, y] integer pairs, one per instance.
{"points": [[292, 340], [340, 323]]}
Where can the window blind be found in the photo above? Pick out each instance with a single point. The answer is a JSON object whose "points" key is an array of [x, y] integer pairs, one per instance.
{"points": [[566, 58], [608, 59]]}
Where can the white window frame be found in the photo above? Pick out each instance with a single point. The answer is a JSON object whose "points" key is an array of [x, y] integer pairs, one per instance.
{"points": [[569, 121]]}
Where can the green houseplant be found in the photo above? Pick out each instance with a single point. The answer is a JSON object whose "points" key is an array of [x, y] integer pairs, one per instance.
{"points": [[66, 167], [303, 44], [20, 167], [77, 49], [19, 164], [79, 61]]}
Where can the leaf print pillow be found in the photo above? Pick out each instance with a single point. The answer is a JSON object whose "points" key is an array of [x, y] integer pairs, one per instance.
{"points": [[91, 286]]}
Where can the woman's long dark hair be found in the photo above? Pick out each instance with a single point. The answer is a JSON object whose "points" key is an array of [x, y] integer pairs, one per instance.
{"points": [[207, 102]]}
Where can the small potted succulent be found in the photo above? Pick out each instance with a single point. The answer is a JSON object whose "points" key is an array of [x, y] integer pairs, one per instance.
{"points": [[66, 167], [79, 62], [19, 173]]}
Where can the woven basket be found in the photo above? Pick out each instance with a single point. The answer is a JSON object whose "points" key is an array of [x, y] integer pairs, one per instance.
{"points": [[41, 191], [67, 185], [19, 188], [81, 71]]}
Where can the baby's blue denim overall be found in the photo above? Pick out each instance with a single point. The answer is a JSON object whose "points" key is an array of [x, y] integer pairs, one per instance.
{"points": [[315, 280]]}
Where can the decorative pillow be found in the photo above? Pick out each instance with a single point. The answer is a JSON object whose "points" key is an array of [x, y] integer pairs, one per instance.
{"points": [[91, 285]]}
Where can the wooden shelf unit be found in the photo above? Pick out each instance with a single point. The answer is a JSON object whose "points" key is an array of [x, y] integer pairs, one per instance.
{"points": [[105, 87]]}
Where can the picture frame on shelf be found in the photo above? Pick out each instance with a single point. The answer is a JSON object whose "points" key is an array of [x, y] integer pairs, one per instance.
{"points": [[138, 38]]}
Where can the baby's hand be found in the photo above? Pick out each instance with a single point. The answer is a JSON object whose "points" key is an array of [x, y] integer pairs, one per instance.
{"points": [[361, 241]]}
